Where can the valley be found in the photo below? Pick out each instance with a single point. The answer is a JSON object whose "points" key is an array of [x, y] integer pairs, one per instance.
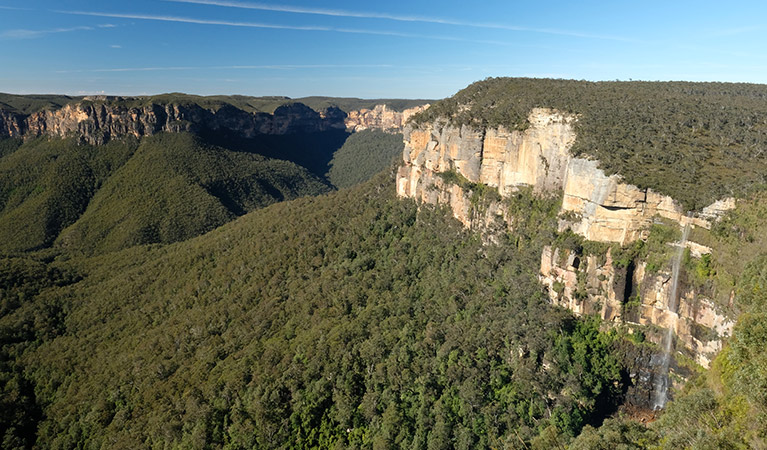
{"points": [[529, 263]]}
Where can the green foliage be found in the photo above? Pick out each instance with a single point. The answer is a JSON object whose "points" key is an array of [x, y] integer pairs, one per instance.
{"points": [[27, 104], [363, 155], [166, 188], [46, 184], [727, 407], [703, 420], [534, 218], [569, 241], [349, 320], [696, 142], [313, 151], [591, 372], [704, 267], [738, 240], [615, 434], [480, 194], [175, 187], [8, 146]]}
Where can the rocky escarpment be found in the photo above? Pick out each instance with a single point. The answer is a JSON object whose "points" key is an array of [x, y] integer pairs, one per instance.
{"points": [[595, 206], [98, 121], [636, 295], [380, 117]]}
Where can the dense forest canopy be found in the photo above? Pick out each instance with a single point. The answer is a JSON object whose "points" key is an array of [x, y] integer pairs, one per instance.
{"points": [[354, 319], [696, 142], [164, 188], [363, 155], [27, 104], [243, 304], [167, 187]]}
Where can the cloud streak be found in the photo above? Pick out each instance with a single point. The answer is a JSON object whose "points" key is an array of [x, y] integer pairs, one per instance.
{"points": [[264, 25], [395, 17], [234, 67], [33, 34]]}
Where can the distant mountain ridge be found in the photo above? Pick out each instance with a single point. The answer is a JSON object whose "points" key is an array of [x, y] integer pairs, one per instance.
{"points": [[171, 166], [98, 119]]}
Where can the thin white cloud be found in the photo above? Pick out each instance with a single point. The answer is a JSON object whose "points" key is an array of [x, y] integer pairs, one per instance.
{"points": [[198, 21], [33, 34], [116, 46], [279, 26], [237, 67], [395, 17]]}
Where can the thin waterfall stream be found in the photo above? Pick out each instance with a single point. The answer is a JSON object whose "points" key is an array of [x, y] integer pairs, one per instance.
{"points": [[662, 381]]}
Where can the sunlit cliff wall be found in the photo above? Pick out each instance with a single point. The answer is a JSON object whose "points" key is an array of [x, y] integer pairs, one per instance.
{"points": [[596, 206]]}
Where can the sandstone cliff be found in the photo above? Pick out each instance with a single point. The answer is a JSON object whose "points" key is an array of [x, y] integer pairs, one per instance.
{"points": [[596, 206], [98, 121], [380, 117]]}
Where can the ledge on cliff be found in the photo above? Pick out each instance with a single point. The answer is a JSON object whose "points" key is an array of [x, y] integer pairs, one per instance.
{"points": [[694, 142]]}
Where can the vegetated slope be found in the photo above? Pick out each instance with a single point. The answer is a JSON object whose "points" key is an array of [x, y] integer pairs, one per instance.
{"points": [[726, 406], [696, 142], [175, 187], [167, 188], [364, 154], [46, 184], [354, 319], [27, 104], [314, 151]]}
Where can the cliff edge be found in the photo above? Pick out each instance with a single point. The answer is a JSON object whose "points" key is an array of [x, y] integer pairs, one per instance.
{"points": [[595, 206]]}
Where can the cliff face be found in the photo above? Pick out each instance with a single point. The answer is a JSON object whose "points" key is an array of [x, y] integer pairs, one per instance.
{"points": [[380, 117], [634, 295], [596, 206], [97, 122]]}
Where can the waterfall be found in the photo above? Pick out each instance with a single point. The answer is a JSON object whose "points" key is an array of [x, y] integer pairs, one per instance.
{"points": [[662, 381]]}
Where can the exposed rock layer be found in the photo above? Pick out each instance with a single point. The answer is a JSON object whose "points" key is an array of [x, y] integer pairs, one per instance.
{"points": [[380, 117], [604, 209], [592, 285], [97, 121], [596, 206]]}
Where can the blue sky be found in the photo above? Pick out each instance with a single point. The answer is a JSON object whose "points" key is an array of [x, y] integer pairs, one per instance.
{"points": [[401, 49]]}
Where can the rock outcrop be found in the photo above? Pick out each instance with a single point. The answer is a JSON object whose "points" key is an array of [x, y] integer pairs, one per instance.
{"points": [[591, 284], [98, 121], [602, 207], [596, 206], [380, 117]]}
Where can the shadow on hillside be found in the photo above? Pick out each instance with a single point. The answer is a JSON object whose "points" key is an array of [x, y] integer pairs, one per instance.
{"points": [[310, 150]]}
